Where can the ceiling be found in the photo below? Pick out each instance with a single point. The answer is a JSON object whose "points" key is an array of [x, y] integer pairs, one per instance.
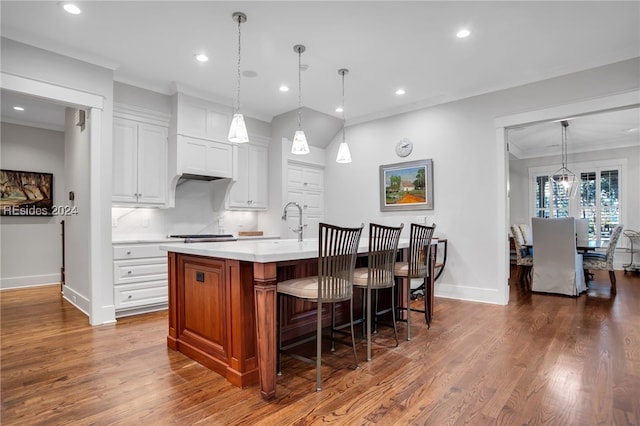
{"points": [[385, 45]]}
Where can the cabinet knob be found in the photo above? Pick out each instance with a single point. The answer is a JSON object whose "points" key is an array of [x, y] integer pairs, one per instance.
{"points": [[129, 272], [305, 184], [128, 253], [305, 206], [129, 297]]}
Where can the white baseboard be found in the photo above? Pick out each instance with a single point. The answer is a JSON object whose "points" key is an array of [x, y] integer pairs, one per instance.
{"points": [[29, 281], [468, 293]]}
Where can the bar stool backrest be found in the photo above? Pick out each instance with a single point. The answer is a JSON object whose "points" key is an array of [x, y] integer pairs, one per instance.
{"points": [[383, 248], [337, 251], [419, 247]]}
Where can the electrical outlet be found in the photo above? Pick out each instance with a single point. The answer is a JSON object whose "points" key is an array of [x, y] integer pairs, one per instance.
{"points": [[221, 222], [145, 223], [114, 221], [421, 220]]}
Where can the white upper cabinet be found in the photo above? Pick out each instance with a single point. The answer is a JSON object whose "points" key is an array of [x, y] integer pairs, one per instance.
{"points": [[139, 163], [198, 141], [249, 191]]}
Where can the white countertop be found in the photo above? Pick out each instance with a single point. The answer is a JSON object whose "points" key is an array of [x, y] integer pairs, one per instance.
{"points": [[261, 251], [138, 240]]}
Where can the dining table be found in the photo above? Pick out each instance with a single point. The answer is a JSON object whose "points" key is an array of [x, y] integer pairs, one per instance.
{"points": [[582, 246]]}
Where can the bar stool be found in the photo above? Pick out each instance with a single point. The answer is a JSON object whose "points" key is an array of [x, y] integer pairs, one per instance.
{"points": [[416, 266], [337, 251], [379, 273]]}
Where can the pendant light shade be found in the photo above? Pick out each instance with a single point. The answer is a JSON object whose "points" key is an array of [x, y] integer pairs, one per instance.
{"points": [[238, 130], [299, 145], [564, 180], [344, 155]]}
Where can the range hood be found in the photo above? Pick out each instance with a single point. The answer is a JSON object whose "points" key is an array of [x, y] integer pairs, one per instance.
{"points": [[192, 158], [191, 176]]}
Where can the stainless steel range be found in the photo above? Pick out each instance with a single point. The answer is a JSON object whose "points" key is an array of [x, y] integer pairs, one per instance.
{"points": [[205, 238]]}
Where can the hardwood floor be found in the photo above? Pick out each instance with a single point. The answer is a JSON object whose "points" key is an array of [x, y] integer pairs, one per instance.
{"points": [[540, 360]]}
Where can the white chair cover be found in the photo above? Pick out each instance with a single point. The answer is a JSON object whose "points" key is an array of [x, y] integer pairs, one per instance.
{"points": [[557, 267], [582, 229]]}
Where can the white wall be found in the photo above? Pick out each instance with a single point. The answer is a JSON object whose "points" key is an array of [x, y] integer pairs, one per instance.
{"points": [[77, 287], [31, 247], [460, 137]]}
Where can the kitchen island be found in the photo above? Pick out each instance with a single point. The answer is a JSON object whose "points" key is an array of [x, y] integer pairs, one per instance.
{"points": [[222, 303]]}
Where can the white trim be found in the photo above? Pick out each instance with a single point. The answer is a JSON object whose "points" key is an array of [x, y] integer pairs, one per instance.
{"points": [[28, 123], [607, 103], [44, 90], [29, 281], [129, 112]]}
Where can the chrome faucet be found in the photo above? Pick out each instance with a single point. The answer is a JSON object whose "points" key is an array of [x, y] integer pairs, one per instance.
{"points": [[284, 217]]}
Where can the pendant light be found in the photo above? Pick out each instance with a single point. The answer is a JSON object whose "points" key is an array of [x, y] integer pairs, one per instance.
{"points": [[299, 146], [344, 155], [565, 180], [238, 130]]}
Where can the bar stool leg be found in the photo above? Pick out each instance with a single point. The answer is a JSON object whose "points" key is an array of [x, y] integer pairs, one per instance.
{"points": [[408, 281]]}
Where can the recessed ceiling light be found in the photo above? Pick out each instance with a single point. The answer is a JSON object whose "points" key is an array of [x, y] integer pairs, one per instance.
{"points": [[284, 88], [463, 33], [18, 108], [71, 8], [201, 57], [339, 109], [400, 92]]}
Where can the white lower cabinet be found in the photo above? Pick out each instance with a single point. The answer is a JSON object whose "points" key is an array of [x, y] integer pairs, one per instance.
{"points": [[140, 280]]}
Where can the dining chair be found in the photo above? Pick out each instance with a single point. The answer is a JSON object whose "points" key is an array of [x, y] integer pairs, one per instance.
{"points": [[379, 273], [524, 261], [337, 251], [557, 266], [602, 261], [416, 266], [582, 229]]}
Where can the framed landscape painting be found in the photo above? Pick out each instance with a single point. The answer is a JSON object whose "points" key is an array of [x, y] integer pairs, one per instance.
{"points": [[26, 193], [406, 186]]}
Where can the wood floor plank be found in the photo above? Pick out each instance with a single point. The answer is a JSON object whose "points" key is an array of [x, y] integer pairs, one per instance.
{"points": [[541, 359]]}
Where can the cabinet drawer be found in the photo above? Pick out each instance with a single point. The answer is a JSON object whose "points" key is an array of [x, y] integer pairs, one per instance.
{"points": [[141, 294], [127, 271], [137, 251]]}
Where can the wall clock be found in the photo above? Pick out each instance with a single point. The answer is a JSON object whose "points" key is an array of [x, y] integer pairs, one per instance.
{"points": [[404, 147]]}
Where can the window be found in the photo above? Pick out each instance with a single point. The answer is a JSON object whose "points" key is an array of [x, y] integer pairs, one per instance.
{"points": [[598, 200]]}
